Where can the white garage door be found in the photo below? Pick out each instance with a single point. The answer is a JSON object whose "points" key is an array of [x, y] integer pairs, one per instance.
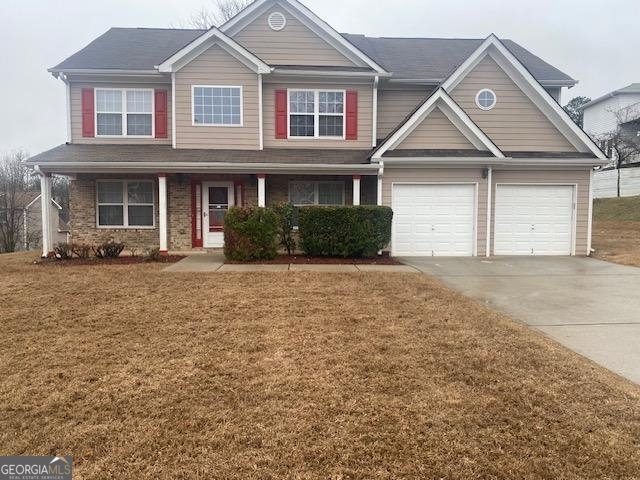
{"points": [[433, 220], [534, 220]]}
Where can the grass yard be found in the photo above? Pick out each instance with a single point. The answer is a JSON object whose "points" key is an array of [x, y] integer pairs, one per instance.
{"points": [[143, 374], [616, 230]]}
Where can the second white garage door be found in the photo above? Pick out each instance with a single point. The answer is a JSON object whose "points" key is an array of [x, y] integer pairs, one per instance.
{"points": [[534, 220], [433, 219]]}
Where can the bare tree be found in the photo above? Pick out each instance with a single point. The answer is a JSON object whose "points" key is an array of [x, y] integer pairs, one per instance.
{"points": [[219, 12], [14, 179], [622, 144]]}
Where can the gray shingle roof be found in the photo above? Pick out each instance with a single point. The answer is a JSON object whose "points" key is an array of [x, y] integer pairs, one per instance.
{"points": [[130, 49], [165, 153], [410, 58], [436, 58], [632, 88]]}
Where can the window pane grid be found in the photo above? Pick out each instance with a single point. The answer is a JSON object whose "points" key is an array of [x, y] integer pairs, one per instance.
{"points": [[121, 112], [315, 113], [217, 105], [125, 204], [316, 193]]}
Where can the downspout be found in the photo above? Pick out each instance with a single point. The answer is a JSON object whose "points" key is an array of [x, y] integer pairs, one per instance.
{"points": [[489, 200], [173, 109], [260, 114], [380, 174], [374, 129], [590, 219], [65, 79]]}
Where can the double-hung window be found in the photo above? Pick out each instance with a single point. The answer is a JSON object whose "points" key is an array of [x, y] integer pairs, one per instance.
{"points": [[217, 105], [303, 194], [126, 204], [124, 112], [316, 113]]}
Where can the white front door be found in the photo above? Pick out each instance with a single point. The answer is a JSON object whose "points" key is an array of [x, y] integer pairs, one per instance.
{"points": [[534, 219], [217, 197], [433, 219]]}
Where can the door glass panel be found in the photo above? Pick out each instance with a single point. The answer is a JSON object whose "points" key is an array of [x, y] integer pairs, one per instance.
{"points": [[218, 206]]}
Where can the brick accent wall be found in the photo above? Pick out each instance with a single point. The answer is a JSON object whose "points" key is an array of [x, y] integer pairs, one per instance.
{"points": [[82, 206], [82, 201]]}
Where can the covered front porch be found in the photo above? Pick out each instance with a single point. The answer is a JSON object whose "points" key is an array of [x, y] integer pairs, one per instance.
{"points": [[181, 206]]}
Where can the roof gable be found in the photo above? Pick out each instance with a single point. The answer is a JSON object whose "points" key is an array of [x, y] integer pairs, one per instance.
{"points": [[310, 20], [530, 86], [295, 44], [441, 101], [203, 43], [435, 132]]}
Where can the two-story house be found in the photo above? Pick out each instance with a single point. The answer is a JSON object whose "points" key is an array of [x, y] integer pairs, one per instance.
{"points": [[464, 139]]}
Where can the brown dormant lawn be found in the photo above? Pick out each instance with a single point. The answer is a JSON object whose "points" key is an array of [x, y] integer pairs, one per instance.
{"points": [[616, 230], [139, 373]]}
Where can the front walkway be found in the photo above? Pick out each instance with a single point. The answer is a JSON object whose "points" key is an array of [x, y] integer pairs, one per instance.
{"points": [[589, 306], [214, 262]]}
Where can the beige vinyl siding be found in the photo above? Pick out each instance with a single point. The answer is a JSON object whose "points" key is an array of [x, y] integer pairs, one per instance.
{"points": [[435, 132], [365, 113], [216, 67], [395, 105], [579, 177], [76, 115], [515, 123], [442, 175], [294, 45]]}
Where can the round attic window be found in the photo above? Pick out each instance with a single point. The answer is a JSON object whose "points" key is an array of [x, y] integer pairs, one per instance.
{"points": [[277, 21], [486, 99]]}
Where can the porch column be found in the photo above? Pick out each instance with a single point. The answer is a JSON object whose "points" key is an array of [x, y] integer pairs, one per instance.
{"points": [[356, 189], [162, 212], [45, 203], [380, 172], [262, 201]]}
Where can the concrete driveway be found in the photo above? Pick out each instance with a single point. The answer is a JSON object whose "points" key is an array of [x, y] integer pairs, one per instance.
{"points": [[589, 306]]}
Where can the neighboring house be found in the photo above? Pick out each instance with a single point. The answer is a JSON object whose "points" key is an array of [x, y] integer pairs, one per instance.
{"points": [[611, 116], [603, 114], [464, 139], [27, 211]]}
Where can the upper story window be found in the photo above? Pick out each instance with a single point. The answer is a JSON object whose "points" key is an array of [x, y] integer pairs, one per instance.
{"points": [[217, 105], [316, 114], [486, 99], [124, 112]]}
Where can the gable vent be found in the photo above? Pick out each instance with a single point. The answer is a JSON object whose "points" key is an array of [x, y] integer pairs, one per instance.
{"points": [[277, 21]]}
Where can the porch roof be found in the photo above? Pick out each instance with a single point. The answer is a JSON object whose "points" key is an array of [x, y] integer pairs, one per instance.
{"points": [[74, 158]]}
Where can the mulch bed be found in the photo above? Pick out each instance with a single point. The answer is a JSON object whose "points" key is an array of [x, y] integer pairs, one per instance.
{"points": [[126, 260], [303, 259]]}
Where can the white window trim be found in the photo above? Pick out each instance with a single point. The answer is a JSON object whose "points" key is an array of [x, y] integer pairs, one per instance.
{"points": [[317, 114], [193, 107], [480, 92], [316, 193], [125, 205], [124, 112]]}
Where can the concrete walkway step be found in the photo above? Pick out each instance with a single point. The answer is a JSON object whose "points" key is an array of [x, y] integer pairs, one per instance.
{"points": [[215, 263]]}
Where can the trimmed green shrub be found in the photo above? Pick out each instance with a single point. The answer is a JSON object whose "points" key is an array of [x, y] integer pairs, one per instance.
{"points": [[108, 250], [349, 231], [285, 212], [250, 233]]}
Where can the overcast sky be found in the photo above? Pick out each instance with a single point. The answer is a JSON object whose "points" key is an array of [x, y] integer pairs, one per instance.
{"points": [[593, 41]]}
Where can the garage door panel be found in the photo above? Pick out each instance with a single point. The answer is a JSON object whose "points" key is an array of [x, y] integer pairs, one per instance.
{"points": [[533, 220], [433, 219]]}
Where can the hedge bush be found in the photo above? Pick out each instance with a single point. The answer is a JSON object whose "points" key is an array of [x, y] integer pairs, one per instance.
{"points": [[250, 233], [350, 231]]}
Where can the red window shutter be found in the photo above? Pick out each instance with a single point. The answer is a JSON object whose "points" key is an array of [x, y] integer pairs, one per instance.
{"points": [[281, 114], [88, 120], [196, 220], [352, 115], [161, 113]]}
